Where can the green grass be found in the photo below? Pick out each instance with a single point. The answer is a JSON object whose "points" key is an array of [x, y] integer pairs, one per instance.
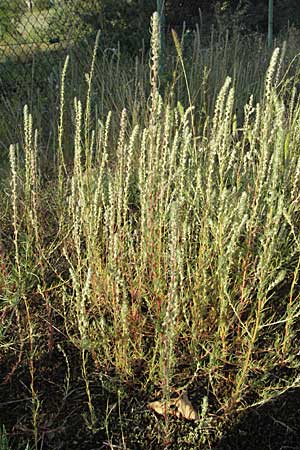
{"points": [[157, 252]]}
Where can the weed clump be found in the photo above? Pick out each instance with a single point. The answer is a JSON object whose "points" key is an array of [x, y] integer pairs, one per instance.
{"points": [[165, 260]]}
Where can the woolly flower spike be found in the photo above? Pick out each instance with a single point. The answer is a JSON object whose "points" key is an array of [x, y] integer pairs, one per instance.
{"points": [[270, 73], [155, 48], [13, 168]]}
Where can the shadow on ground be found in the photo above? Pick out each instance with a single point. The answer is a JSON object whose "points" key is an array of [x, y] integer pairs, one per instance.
{"points": [[272, 426], [123, 418]]}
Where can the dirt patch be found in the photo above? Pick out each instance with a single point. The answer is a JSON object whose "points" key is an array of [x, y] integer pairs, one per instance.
{"points": [[272, 426]]}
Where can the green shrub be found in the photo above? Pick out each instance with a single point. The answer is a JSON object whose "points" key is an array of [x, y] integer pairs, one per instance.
{"points": [[10, 13], [119, 21]]}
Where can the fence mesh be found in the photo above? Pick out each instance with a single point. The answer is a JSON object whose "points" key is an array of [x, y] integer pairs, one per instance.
{"points": [[35, 36]]}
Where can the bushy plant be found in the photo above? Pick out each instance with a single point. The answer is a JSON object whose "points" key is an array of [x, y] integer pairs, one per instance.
{"points": [[10, 13], [252, 15], [163, 253], [66, 22], [124, 21], [119, 21]]}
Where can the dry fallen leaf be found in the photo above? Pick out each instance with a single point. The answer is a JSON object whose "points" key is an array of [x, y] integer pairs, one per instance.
{"points": [[185, 408], [159, 407], [180, 407]]}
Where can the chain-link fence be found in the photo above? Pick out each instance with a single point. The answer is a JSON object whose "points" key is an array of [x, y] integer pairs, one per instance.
{"points": [[35, 35]]}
